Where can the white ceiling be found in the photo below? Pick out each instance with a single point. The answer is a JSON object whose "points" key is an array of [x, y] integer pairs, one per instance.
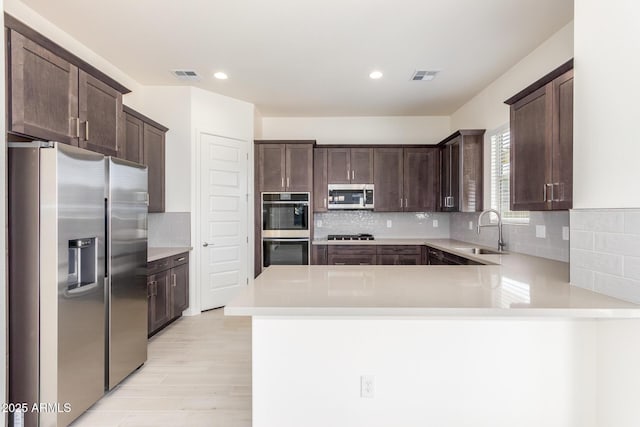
{"points": [[313, 57]]}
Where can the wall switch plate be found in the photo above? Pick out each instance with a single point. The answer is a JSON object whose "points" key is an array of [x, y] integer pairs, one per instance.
{"points": [[565, 233], [541, 231], [435, 223], [367, 386], [319, 223], [470, 225], [389, 223]]}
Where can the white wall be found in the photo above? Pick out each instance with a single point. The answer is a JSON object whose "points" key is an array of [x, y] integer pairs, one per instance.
{"points": [[487, 109], [23, 13], [428, 372], [606, 144], [171, 106], [257, 124], [359, 130]]}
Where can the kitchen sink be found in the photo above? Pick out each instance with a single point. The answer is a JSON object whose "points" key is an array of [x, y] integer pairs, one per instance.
{"points": [[480, 251]]}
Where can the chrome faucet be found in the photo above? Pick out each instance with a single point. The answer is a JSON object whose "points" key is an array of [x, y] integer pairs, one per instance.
{"points": [[501, 244]]}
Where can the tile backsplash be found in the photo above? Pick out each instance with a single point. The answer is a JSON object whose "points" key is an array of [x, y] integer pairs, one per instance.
{"points": [[169, 229], [546, 235], [402, 224], [605, 251]]}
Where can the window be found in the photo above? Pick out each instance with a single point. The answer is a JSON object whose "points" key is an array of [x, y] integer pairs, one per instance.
{"points": [[500, 171]]}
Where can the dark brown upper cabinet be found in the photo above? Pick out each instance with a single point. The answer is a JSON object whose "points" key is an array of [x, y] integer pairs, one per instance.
{"points": [[132, 149], [284, 166], [54, 95], [421, 179], [406, 179], [388, 179], [154, 158], [350, 165], [542, 143], [461, 162], [100, 116], [320, 182], [43, 92], [144, 143]]}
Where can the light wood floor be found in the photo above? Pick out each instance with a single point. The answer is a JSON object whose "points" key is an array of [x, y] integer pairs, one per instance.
{"points": [[198, 374]]}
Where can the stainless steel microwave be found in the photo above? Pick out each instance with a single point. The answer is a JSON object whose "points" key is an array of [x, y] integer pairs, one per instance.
{"points": [[350, 196]]}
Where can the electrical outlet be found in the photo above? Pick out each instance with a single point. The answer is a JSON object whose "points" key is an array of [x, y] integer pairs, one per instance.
{"points": [[565, 233], [470, 225], [319, 223], [541, 231], [389, 223], [435, 223], [367, 386]]}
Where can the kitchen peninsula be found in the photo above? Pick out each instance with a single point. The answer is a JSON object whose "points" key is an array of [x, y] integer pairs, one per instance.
{"points": [[491, 345]]}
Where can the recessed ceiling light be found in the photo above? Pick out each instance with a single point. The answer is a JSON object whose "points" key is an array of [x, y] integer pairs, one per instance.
{"points": [[376, 75], [221, 76]]}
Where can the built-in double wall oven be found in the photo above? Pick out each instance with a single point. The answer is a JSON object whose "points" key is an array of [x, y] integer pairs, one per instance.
{"points": [[285, 229]]}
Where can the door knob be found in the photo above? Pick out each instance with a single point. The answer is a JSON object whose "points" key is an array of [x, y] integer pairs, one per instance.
{"points": [[205, 244]]}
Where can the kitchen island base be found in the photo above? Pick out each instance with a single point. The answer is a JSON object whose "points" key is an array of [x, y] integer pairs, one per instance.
{"points": [[476, 372]]}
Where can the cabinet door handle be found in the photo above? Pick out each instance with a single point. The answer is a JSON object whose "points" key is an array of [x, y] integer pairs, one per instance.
{"points": [[324, 201], [282, 182], [353, 174], [406, 202], [400, 201], [180, 259], [553, 199], [77, 119], [544, 192], [86, 130], [347, 174], [173, 280], [288, 182]]}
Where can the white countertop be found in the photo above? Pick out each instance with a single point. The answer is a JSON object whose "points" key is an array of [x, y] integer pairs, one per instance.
{"points": [[156, 253], [520, 286]]}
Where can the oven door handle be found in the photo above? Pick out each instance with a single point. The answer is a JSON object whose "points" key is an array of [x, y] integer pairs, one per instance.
{"points": [[267, 239], [291, 202]]}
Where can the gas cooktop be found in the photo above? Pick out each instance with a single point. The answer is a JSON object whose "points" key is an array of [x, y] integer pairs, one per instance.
{"points": [[350, 237]]}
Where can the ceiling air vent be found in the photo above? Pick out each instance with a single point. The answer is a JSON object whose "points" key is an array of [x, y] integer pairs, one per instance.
{"points": [[424, 75], [186, 75]]}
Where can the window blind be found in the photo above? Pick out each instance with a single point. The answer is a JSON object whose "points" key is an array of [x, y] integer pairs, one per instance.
{"points": [[500, 175]]}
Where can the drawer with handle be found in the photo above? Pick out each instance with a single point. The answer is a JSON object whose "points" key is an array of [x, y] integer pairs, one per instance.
{"points": [[179, 259]]}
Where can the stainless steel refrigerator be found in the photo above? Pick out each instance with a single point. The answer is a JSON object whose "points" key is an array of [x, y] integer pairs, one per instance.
{"points": [[127, 204], [56, 279], [63, 352]]}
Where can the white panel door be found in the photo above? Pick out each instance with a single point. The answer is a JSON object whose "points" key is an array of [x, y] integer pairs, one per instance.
{"points": [[223, 219]]}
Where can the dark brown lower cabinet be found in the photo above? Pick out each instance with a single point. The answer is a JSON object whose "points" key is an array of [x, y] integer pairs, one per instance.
{"points": [[351, 255], [369, 255], [399, 255], [167, 290], [319, 255], [157, 292]]}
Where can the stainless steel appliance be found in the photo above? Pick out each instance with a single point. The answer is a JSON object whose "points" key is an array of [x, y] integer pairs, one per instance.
{"points": [[59, 332], [127, 202], [351, 196], [285, 229], [361, 236], [56, 279], [287, 251], [285, 215]]}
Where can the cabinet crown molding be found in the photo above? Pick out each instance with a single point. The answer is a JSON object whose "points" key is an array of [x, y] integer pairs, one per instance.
{"points": [[541, 82]]}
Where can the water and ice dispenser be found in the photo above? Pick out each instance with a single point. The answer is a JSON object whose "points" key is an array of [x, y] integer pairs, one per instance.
{"points": [[83, 263]]}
